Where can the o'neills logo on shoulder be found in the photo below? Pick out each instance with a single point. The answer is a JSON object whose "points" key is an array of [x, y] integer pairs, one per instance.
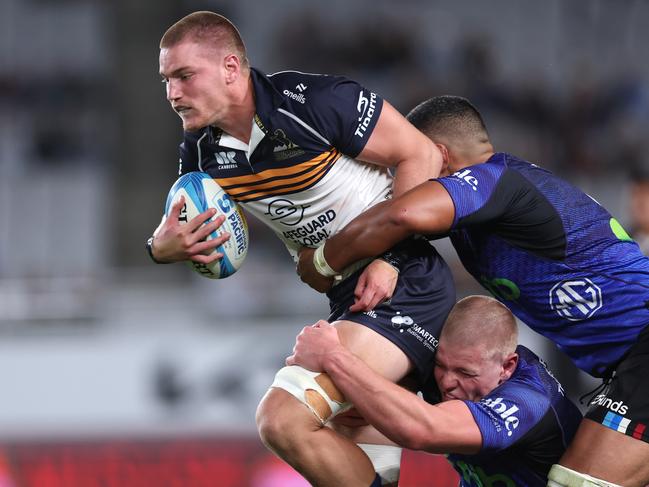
{"points": [[615, 406], [299, 97]]}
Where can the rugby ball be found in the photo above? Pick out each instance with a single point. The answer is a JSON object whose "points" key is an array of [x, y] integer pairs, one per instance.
{"points": [[201, 192]]}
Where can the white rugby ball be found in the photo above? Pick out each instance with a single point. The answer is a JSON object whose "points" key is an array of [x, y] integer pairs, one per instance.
{"points": [[201, 192]]}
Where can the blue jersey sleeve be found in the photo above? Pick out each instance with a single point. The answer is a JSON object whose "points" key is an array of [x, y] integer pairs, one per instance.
{"points": [[473, 191], [508, 413], [344, 112]]}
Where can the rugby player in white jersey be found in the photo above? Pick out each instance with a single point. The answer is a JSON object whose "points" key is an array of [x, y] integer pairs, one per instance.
{"points": [[318, 148]]}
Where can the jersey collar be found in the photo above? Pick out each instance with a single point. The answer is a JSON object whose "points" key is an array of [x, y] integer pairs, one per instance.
{"points": [[267, 101], [267, 98]]}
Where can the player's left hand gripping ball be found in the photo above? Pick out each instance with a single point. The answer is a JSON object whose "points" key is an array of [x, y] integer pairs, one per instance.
{"points": [[201, 192]]}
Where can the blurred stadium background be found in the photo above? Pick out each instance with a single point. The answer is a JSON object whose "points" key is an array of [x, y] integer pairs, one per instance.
{"points": [[117, 372]]}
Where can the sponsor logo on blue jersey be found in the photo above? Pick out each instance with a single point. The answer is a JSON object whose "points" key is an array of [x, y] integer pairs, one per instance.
{"points": [[549, 372], [576, 299], [465, 175], [608, 403], [475, 476], [501, 287], [505, 411]]}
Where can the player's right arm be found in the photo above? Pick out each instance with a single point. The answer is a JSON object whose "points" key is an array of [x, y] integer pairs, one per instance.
{"points": [[426, 209]]}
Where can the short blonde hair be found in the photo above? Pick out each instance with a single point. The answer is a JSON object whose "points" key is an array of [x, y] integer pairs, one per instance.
{"points": [[207, 28], [485, 322]]}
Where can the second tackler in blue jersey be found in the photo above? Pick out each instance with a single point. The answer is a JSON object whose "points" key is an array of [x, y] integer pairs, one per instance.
{"points": [[526, 424], [553, 255]]}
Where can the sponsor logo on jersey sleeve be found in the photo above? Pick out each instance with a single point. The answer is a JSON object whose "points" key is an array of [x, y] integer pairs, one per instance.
{"points": [[505, 412], [366, 108], [576, 300], [466, 177], [549, 372]]}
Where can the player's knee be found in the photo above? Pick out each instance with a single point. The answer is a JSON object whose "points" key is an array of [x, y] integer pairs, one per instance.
{"points": [[314, 390], [560, 476], [274, 422]]}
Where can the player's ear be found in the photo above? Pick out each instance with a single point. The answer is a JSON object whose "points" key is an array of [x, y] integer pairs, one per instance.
{"points": [[445, 158], [232, 66], [509, 366]]}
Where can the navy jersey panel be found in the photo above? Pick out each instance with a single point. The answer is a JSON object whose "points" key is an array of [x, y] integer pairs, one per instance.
{"points": [[553, 255], [526, 424], [302, 116], [340, 109], [413, 318]]}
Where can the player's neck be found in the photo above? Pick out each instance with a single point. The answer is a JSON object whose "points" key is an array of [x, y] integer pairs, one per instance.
{"points": [[470, 158], [242, 111]]}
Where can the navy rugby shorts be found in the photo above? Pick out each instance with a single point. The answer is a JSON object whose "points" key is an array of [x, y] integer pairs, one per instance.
{"points": [[413, 318], [623, 405]]}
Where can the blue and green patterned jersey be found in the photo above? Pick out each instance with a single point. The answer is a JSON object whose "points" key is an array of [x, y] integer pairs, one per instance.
{"points": [[553, 255], [526, 424]]}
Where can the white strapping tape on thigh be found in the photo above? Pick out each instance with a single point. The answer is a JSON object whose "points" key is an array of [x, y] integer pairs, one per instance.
{"points": [[560, 476], [297, 380], [386, 460]]}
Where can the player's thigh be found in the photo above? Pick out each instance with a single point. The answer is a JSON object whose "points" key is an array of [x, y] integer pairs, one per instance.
{"points": [[381, 354], [407, 326], [606, 454]]}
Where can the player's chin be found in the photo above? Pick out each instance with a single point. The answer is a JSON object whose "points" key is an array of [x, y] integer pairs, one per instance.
{"points": [[189, 126], [192, 124]]}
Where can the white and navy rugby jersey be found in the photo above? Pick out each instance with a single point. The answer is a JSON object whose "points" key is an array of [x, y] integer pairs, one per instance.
{"points": [[298, 173], [552, 255], [526, 424]]}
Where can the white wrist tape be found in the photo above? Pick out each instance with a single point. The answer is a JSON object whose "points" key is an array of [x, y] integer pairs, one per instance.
{"points": [[321, 265]]}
